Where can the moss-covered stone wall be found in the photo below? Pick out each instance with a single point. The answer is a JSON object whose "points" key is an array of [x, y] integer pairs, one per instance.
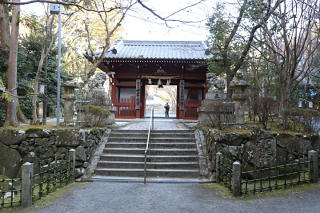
{"points": [[258, 147], [35, 144]]}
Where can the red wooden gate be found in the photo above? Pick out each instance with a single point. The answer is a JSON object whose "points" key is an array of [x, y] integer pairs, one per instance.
{"points": [[125, 108], [191, 109]]}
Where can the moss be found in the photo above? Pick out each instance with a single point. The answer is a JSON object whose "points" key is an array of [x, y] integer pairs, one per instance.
{"points": [[226, 193], [96, 130], [48, 199], [222, 191], [98, 111], [237, 131], [282, 192], [34, 129], [3, 177]]}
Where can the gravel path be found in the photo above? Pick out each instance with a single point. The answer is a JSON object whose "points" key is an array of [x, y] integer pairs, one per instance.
{"points": [[135, 197]]}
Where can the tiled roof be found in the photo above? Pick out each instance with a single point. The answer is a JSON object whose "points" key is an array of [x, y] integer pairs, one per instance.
{"points": [[176, 50]]}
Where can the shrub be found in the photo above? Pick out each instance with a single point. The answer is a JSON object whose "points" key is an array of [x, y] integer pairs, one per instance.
{"points": [[266, 106], [220, 113], [301, 119], [97, 115]]}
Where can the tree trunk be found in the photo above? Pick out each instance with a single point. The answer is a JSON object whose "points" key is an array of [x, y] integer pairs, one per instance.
{"points": [[44, 53], [21, 117], [11, 119], [229, 90], [4, 30], [284, 103], [35, 88]]}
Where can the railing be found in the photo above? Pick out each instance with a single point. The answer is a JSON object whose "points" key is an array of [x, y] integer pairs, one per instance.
{"points": [[46, 177], [10, 192], [243, 181], [79, 116], [225, 172], [319, 163], [53, 173], [275, 177], [147, 146]]}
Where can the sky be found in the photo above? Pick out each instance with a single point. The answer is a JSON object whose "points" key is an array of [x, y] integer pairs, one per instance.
{"points": [[140, 24]]}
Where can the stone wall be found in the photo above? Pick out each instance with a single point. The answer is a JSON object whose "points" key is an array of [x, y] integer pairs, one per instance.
{"points": [[258, 148], [34, 145]]}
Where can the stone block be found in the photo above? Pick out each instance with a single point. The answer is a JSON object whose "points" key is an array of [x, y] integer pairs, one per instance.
{"points": [[67, 138], [26, 185], [10, 161], [79, 172], [12, 137], [236, 178], [81, 154], [313, 166], [38, 133]]}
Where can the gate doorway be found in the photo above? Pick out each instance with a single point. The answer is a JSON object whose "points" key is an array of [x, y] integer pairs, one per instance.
{"points": [[157, 97]]}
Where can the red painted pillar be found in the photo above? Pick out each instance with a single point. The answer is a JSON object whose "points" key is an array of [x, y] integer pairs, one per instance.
{"points": [[181, 99], [178, 101], [138, 98], [113, 91], [142, 99]]}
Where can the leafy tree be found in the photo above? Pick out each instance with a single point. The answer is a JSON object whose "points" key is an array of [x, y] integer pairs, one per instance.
{"points": [[292, 44], [30, 53], [229, 46]]}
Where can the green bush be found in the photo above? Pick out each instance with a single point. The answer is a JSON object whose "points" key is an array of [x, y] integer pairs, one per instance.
{"points": [[96, 115], [301, 119], [98, 111]]}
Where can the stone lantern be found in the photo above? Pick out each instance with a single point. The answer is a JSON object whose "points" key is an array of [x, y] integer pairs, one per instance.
{"points": [[214, 103], [239, 96], [69, 98]]}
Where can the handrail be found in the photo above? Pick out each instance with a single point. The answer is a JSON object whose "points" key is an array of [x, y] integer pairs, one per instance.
{"points": [[147, 145]]}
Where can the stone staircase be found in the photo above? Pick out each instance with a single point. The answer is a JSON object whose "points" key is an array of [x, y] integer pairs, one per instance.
{"points": [[173, 157]]}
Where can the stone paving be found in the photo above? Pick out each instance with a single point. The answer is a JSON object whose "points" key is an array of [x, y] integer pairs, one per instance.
{"points": [[143, 124], [166, 198]]}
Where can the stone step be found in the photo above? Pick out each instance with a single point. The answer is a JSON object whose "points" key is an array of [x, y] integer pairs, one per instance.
{"points": [[152, 145], [193, 173], [99, 178], [121, 157], [151, 152], [153, 135], [153, 131], [150, 165], [129, 131], [152, 140], [153, 158]]}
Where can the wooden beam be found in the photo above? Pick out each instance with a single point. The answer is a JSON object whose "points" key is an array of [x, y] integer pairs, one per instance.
{"points": [[199, 85], [126, 84]]}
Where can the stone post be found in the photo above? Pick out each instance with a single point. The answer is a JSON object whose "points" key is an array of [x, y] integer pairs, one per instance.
{"points": [[313, 166], [218, 163], [69, 99], [72, 154], [236, 178], [26, 185]]}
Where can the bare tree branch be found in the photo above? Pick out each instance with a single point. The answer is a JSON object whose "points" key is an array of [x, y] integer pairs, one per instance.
{"points": [[78, 4]]}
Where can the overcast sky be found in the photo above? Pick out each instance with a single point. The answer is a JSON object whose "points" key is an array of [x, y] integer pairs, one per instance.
{"points": [[140, 24]]}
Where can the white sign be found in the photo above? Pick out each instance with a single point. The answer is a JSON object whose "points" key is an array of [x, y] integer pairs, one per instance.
{"points": [[310, 104], [41, 89], [54, 8], [300, 104]]}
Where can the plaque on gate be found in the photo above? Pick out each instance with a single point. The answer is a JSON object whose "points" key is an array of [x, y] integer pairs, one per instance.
{"points": [[138, 85], [181, 94]]}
